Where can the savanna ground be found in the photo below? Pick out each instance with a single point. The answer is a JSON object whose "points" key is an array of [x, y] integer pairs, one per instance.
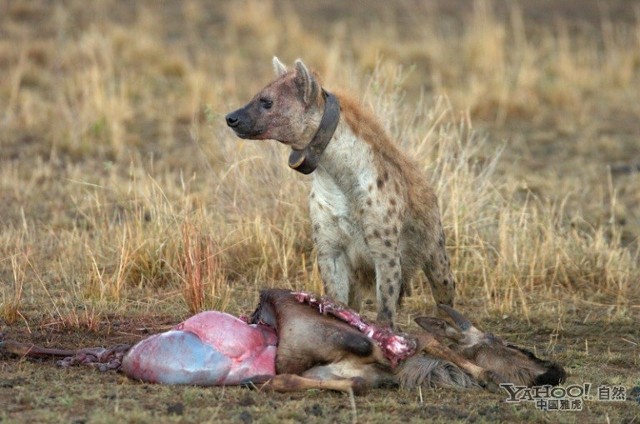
{"points": [[126, 205]]}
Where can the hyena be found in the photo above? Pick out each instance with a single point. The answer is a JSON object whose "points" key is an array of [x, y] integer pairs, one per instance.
{"points": [[373, 213]]}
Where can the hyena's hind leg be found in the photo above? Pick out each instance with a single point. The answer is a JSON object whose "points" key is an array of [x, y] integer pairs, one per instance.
{"points": [[437, 268]]}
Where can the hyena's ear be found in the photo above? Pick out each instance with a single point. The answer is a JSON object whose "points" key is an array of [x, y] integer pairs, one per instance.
{"points": [[308, 86], [278, 67]]}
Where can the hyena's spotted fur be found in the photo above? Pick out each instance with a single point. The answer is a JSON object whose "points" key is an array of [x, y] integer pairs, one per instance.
{"points": [[374, 216]]}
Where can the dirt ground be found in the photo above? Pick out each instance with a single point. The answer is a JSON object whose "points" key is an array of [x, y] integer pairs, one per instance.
{"points": [[594, 351], [570, 144]]}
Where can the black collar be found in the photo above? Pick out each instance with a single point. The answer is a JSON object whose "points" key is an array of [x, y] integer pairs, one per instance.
{"points": [[307, 159]]}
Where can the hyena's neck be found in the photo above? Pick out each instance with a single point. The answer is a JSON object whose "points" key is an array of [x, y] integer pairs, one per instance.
{"points": [[347, 159], [353, 157]]}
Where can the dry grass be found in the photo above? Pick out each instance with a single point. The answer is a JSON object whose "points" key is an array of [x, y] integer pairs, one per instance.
{"points": [[124, 188], [203, 280], [123, 194]]}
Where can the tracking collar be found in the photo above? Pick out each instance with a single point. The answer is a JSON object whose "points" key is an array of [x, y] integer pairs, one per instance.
{"points": [[307, 159]]}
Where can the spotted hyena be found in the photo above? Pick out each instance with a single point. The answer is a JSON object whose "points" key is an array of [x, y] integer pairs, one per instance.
{"points": [[374, 216]]}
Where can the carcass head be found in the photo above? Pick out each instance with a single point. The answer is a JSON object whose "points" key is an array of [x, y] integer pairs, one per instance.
{"points": [[513, 364]]}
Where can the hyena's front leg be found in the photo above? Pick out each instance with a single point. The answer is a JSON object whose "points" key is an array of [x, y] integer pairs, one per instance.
{"points": [[361, 285], [331, 237], [383, 213], [388, 287], [383, 244], [335, 271]]}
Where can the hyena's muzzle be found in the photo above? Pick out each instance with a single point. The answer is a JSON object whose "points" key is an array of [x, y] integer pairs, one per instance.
{"points": [[244, 122]]}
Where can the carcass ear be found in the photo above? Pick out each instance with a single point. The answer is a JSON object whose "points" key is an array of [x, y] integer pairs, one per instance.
{"points": [[278, 67], [471, 333], [308, 87], [439, 328], [460, 320]]}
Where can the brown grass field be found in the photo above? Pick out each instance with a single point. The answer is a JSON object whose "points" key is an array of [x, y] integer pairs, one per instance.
{"points": [[126, 204]]}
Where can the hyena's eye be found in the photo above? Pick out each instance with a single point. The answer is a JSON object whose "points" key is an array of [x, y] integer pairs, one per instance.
{"points": [[266, 103]]}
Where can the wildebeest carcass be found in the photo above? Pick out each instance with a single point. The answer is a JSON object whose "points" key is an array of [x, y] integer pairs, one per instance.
{"points": [[296, 341]]}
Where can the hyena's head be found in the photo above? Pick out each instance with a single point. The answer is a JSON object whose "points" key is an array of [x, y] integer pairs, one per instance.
{"points": [[288, 110]]}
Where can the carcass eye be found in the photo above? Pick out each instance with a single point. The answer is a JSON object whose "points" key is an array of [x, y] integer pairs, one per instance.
{"points": [[266, 103]]}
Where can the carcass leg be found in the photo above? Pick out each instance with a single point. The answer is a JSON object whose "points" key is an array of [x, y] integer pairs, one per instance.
{"points": [[295, 383], [30, 350], [101, 358]]}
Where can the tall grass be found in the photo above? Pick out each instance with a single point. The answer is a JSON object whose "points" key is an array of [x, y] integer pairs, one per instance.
{"points": [[512, 251], [125, 193]]}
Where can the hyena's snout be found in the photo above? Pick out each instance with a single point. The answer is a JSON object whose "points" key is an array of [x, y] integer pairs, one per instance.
{"points": [[238, 120], [243, 124], [233, 120]]}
